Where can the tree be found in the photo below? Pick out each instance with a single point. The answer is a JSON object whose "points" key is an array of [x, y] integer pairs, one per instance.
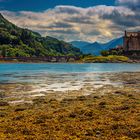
{"points": [[4, 49], [104, 53], [114, 52]]}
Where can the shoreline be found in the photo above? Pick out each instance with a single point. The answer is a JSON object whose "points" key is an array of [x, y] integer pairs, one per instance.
{"points": [[10, 62], [66, 83], [83, 59], [76, 62]]}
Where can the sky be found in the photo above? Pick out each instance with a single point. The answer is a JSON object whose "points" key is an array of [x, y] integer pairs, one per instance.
{"points": [[69, 20]]}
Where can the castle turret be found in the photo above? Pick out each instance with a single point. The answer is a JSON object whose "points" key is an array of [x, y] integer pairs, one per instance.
{"points": [[132, 43]]}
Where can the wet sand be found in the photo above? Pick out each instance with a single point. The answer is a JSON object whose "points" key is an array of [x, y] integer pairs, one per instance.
{"points": [[61, 85]]}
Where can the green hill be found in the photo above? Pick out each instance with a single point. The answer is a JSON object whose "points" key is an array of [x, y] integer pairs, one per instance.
{"points": [[15, 42]]}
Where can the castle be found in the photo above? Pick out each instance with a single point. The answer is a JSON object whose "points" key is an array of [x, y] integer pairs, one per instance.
{"points": [[132, 44]]}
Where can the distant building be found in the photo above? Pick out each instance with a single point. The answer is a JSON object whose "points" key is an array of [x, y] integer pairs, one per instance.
{"points": [[119, 47], [132, 43]]}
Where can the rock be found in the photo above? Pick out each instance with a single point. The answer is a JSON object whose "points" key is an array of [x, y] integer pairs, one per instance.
{"points": [[2, 95], [81, 98], [20, 109], [3, 114], [4, 103], [119, 93]]}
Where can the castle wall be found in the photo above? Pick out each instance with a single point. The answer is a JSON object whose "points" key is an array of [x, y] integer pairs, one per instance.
{"points": [[132, 41]]}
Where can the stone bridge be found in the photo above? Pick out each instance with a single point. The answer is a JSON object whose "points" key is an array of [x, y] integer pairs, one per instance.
{"points": [[45, 59]]}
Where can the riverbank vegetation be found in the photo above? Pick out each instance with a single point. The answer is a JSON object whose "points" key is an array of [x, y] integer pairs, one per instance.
{"points": [[104, 59]]}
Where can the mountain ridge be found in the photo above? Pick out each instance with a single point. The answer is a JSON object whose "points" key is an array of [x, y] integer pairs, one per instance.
{"points": [[95, 48]]}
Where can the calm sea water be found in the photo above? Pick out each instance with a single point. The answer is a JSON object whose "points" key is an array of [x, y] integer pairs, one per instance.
{"points": [[29, 72]]}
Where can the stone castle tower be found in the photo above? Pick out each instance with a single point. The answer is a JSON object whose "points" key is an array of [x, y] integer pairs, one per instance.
{"points": [[132, 41], [132, 44]]}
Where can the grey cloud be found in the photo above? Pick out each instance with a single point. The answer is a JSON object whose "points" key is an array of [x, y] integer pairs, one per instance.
{"points": [[119, 19], [128, 2], [51, 26], [97, 23], [94, 33], [132, 4], [60, 25], [125, 14], [80, 20], [68, 31]]}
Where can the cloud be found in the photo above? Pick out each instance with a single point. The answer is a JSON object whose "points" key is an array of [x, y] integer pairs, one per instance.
{"points": [[132, 4], [128, 2], [128, 19], [97, 23]]}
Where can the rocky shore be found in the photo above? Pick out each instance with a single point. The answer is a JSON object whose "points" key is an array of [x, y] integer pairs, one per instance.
{"points": [[102, 110]]}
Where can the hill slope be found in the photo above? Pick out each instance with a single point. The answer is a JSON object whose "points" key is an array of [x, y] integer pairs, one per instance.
{"points": [[80, 44], [15, 41], [95, 48]]}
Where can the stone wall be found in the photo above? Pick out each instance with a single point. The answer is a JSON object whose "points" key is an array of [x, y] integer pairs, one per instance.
{"points": [[132, 41]]}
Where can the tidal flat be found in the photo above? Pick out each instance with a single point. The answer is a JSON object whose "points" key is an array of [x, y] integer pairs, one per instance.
{"points": [[72, 106]]}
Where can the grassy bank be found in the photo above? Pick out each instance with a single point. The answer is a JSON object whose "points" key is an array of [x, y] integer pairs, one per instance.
{"points": [[104, 59], [83, 59]]}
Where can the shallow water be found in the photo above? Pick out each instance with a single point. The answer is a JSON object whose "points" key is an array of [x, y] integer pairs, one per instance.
{"points": [[38, 72], [20, 81]]}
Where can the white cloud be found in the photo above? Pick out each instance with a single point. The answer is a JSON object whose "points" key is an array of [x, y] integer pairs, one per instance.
{"points": [[97, 23]]}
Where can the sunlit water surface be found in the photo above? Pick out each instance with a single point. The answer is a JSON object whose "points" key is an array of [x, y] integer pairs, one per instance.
{"points": [[37, 79]]}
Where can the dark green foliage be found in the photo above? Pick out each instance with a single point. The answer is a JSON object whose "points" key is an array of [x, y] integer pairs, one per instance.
{"points": [[3, 51], [104, 53], [115, 51], [15, 42]]}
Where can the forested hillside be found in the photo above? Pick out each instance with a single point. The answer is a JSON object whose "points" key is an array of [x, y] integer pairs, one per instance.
{"points": [[15, 42]]}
